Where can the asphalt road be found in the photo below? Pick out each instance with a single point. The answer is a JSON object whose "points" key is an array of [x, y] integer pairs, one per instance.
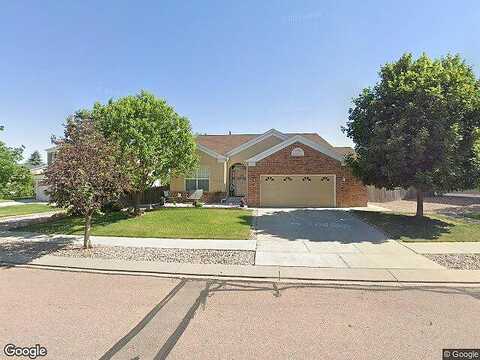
{"points": [[92, 316]]}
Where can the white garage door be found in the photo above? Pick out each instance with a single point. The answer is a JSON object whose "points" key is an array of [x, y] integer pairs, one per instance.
{"points": [[297, 190]]}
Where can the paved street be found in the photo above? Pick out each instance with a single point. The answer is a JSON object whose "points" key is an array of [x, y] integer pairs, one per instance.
{"points": [[328, 238], [92, 316]]}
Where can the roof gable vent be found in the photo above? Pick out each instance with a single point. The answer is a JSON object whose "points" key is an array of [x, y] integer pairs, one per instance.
{"points": [[298, 152]]}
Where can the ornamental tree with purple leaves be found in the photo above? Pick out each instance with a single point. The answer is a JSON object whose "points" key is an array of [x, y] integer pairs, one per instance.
{"points": [[86, 173]]}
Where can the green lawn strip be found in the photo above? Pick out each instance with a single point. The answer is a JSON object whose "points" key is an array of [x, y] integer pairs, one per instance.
{"points": [[24, 209], [431, 228], [187, 223], [473, 215]]}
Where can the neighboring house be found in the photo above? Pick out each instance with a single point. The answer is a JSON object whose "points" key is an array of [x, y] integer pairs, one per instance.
{"points": [[273, 169], [40, 187]]}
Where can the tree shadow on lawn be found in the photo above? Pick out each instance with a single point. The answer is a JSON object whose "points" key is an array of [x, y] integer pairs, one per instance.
{"points": [[73, 224], [452, 200], [407, 227], [471, 211]]}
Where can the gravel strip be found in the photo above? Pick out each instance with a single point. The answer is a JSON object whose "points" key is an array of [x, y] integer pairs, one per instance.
{"points": [[29, 250], [192, 256], [456, 261]]}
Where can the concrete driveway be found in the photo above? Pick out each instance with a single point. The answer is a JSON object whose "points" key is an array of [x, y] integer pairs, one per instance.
{"points": [[314, 225], [328, 238]]}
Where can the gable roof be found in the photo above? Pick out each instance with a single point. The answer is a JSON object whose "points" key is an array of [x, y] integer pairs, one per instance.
{"points": [[327, 150], [228, 144], [211, 152], [344, 150], [256, 140], [224, 143]]}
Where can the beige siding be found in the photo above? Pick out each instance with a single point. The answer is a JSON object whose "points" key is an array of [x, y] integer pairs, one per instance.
{"points": [[177, 184], [216, 176], [254, 150]]}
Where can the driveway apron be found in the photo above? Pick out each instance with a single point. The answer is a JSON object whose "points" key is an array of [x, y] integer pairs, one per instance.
{"points": [[328, 238]]}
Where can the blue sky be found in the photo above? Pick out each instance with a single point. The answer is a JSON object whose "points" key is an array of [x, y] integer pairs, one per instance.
{"points": [[243, 66]]}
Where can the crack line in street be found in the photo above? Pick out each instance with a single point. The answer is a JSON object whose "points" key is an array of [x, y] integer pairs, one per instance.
{"points": [[132, 333], [175, 336]]}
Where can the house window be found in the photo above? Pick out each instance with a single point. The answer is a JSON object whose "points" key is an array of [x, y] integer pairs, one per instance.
{"points": [[199, 180]]}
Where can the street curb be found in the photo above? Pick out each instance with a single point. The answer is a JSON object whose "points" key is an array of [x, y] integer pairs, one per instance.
{"points": [[231, 276]]}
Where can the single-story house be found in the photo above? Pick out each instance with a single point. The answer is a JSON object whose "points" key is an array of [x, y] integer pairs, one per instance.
{"points": [[273, 169]]}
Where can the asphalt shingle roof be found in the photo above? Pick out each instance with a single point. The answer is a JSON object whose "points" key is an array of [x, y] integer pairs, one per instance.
{"points": [[224, 143]]}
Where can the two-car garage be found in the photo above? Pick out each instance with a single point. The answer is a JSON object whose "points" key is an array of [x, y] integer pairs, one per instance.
{"points": [[298, 190], [301, 173]]}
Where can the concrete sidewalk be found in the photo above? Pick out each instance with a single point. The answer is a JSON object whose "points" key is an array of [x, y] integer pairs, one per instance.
{"points": [[20, 202], [386, 261], [162, 243], [371, 255], [17, 221], [444, 247], [391, 266], [264, 273]]}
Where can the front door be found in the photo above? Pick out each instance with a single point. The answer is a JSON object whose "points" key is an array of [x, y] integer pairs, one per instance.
{"points": [[238, 180]]}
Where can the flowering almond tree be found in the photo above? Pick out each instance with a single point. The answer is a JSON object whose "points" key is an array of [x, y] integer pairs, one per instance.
{"points": [[86, 173]]}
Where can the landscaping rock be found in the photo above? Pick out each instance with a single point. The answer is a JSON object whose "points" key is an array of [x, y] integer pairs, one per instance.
{"points": [[457, 261], [192, 256]]}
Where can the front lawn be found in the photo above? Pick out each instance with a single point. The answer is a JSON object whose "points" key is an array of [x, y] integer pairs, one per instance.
{"points": [[430, 228], [473, 215], [24, 209], [188, 223]]}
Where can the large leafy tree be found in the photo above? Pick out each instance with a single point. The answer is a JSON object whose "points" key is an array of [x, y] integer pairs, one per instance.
{"points": [[86, 173], [15, 179], [155, 140], [418, 127]]}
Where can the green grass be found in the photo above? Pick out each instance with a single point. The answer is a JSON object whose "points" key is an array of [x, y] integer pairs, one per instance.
{"points": [[24, 209], [188, 223], [429, 228], [474, 215]]}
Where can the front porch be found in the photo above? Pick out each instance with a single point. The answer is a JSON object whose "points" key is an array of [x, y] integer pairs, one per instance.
{"points": [[237, 180]]}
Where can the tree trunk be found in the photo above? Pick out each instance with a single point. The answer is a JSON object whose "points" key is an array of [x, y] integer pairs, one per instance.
{"points": [[419, 203], [87, 244]]}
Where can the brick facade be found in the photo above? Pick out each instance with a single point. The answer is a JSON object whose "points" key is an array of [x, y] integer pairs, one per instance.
{"points": [[349, 190]]}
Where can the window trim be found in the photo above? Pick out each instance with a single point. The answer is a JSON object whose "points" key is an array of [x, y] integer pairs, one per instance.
{"points": [[196, 177]]}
